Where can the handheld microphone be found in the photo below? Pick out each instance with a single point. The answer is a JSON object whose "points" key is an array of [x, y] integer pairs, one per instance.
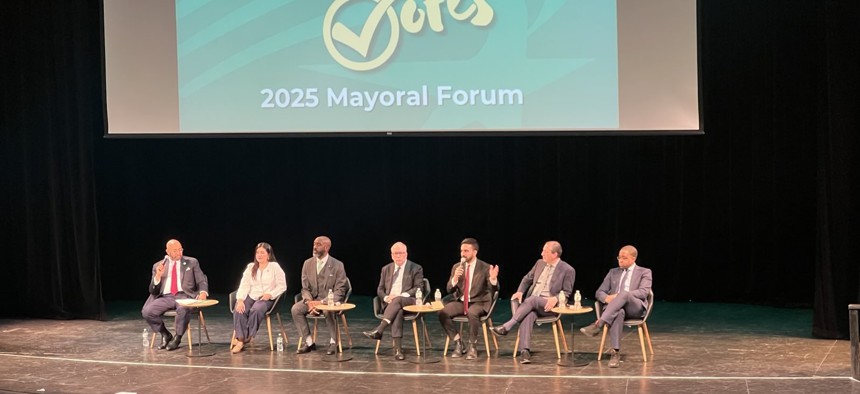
{"points": [[463, 262]]}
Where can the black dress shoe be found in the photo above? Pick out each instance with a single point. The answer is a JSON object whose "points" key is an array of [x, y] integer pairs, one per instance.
{"points": [[398, 354], [174, 343], [166, 336], [591, 330], [458, 349], [373, 334], [525, 357], [473, 352], [499, 330], [306, 348], [332, 349]]}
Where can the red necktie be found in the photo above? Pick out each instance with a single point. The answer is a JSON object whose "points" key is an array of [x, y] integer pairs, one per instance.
{"points": [[174, 287], [466, 291]]}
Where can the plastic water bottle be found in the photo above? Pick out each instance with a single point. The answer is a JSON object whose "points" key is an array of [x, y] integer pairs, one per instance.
{"points": [[145, 337], [438, 296], [419, 297], [330, 298], [280, 343], [577, 300], [562, 300]]}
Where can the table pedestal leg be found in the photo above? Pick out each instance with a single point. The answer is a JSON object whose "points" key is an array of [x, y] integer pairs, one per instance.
{"points": [[339, 355]]}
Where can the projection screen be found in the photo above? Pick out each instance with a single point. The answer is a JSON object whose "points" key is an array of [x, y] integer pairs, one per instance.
{"points": [[347, 67]]}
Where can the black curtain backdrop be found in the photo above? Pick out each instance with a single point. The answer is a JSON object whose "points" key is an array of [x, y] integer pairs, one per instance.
{"points": [[757, 210]]}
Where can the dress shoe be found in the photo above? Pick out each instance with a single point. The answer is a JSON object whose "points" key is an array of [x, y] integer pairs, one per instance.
{"points": [[332, 349], [473, 352], [525, 357], [306, 348], [398, 349], [615, 359], [234, 342], [174, 343], [238, 347], [458, 348], [499, 330], [166, 336], [591, 330], [373, 334]]}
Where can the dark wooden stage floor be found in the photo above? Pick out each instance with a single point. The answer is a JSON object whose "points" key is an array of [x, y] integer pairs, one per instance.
{"points": [[698, 348]]}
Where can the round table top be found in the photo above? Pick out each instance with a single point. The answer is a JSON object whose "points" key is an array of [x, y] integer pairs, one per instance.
{"points": [[335, 308], [428, 307], [192, 303], [570, 310]]}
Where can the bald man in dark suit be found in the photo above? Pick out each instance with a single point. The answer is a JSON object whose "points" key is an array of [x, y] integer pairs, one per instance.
{"points": [[625, 292]]}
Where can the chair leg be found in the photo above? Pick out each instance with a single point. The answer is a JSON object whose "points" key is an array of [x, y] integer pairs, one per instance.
{"points": [[517, 344], [232, 338], [415, 332], [648, 337], [190, 340], [346, 328], [486, 338], [602, 342], [495, 342], [283, 332], [152, 341], [205, 330], [377, 346], [447, 340], [555, 335], [563, 337], [427, 337], [642, 343], [315, 330], [269, 326]]}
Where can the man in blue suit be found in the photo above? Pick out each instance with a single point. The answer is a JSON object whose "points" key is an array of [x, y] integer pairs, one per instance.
{"points": [[624, 291], [549, 276]]}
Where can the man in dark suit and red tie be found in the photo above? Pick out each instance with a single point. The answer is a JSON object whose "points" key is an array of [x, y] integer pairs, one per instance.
{"points": [[398, 283], [624, 291], [472, 283], [541, 286], [175, 277]]}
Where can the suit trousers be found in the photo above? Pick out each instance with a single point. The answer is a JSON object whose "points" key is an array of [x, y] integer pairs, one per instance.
{"points": [[156, 306], [526, 315], [455, 308], [394, 313], [300, 311], [247, 323], [614, 313]]}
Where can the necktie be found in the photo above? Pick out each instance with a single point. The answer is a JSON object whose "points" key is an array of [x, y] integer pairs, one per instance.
{"points": [[621, 282], [319, 266], [466, 291], [393, 278], [174, 282]]}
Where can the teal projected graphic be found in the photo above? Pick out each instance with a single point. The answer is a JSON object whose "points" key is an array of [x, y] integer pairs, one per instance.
{"points": [[396, 65]]}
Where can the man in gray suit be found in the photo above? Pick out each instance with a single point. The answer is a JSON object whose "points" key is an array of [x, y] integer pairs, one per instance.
{"points": [[472, 283], [549, 276], [320, 274], [175, 277], [398, 283], [624, 291]]}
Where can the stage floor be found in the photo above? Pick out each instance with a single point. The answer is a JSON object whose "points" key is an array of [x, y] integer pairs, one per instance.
{"points": [[698, 348]]}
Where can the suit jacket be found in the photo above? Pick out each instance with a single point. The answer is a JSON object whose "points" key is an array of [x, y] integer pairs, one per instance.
{"points": [[335, 279], [413, 279], [193, 279], [640, 284], [273, 281], [480, 289], [562, 279]]}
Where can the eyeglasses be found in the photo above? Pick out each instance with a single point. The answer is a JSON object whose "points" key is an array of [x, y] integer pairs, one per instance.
{"points": [[622, 258], [398, 252]]}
